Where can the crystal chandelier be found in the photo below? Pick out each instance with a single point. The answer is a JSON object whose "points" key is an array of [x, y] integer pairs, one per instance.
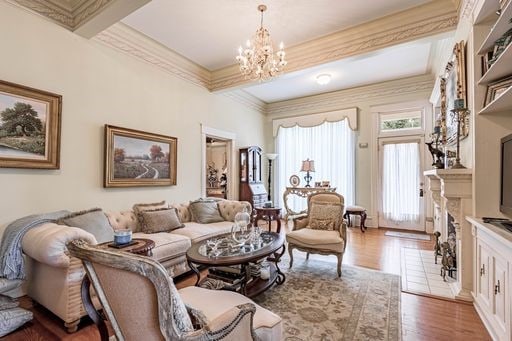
{"points": [[257, 60]]}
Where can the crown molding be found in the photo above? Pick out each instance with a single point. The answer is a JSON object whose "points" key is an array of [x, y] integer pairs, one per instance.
{"points": [[245, 98], [466, 8], [127, 40], [343, 98], [415, 23]]}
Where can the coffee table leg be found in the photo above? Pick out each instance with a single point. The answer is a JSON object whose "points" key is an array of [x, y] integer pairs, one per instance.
{"points": [[196, 271], [277, 257]]}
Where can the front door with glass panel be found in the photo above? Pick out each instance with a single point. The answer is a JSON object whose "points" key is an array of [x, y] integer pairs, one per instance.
{"points": [[401, 203]]}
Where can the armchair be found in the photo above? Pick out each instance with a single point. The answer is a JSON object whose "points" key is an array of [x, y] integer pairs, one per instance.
{"points": [[322, 231], [142, 303]]}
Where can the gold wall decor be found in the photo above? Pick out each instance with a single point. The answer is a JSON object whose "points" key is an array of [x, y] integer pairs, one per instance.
{"points": [[453, 86]]}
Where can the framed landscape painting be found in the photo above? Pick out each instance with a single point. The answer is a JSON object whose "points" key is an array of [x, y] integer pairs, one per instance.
{"points": [[29, 127], [137, 158]]}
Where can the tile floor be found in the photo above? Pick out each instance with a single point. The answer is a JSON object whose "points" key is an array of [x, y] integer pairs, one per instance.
{"points": [[421, 275]]}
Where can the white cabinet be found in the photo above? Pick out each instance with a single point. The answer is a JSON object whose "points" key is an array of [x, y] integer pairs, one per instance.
{"points": [[492, 273]]}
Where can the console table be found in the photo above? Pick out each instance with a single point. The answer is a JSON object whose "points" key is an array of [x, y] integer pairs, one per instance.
{"points": [[303, 192]]}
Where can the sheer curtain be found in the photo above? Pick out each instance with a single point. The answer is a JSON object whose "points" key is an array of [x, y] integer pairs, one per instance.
{"points": [[331, 145], [401, 182]]}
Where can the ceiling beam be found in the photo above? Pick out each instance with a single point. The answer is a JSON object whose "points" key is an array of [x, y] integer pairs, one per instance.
{"points": [[84, 17], [426, 20]]}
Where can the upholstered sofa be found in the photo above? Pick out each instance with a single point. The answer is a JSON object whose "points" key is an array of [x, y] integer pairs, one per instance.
{"points": [[54, 278]]}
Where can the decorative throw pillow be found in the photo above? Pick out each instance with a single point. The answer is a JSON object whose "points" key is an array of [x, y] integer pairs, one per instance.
{"points": [[93, 221], [12, 319], [137, 208], [159, 220], [205, 211], [7, 302], [9, 284], [324, 216]]}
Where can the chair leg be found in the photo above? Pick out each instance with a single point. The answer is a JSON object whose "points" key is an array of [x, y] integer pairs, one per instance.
{"points": [[340, 259], [307, 255], [363, 220], [290, 252], [72, 327]]}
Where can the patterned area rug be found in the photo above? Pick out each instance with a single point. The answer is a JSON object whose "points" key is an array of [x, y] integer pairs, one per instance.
{"points": [[418, 236], [317, 305]]}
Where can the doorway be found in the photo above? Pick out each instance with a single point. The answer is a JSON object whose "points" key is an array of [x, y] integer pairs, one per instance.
{"points": [[401, 201], [217, 171]]}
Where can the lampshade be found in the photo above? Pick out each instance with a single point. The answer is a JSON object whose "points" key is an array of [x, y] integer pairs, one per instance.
{"points": [[308, 166], [271, 156]]}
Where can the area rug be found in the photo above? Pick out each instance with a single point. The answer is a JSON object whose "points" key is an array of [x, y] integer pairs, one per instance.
{"points": [[317, 305], [407, 235], [421, 275]]}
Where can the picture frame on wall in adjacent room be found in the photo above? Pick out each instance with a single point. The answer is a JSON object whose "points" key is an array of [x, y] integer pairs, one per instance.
{"points": [[136, 158], [495, 89], [452, 87], [30, 123]]}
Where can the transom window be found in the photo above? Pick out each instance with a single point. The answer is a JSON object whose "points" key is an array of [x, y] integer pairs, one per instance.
{"points": [[401, 121]]}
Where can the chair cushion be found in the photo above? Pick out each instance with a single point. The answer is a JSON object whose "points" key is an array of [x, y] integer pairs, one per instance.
{"points": [[197, 232], [213, 303], [356, 208], [205, 211], [159, 220], [316, 239], [325, 216], [167, 245]]}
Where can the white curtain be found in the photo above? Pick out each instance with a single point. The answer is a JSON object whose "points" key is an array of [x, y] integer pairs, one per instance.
{"points": [[331, 145], [401, 182]]}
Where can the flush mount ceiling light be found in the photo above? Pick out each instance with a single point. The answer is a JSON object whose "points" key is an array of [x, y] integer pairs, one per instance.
{"points": [[323, 79], [257, 60]]}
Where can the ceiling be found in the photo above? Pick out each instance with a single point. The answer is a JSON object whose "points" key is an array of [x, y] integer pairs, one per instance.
{"points": [[209, 32], [399, 61]]}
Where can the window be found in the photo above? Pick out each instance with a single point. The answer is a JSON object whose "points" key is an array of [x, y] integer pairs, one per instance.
{"points": [[331, 145], [402, 121]]}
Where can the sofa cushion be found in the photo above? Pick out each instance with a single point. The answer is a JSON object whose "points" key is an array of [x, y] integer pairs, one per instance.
{"points": [[229, 208], [159, 220], [12, 319], [310, 238], [123, 220], [183, 211], [137, 208], [267, 325], [197, 232], [205, 211], [167, 245], [93, 221]]}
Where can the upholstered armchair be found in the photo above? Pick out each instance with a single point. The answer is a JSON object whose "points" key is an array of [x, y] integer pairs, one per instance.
{"points": [[323, 230], [142, 303]]}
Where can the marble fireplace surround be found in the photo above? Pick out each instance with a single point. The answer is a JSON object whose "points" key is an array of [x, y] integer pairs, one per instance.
{"points": [[451, 191]]}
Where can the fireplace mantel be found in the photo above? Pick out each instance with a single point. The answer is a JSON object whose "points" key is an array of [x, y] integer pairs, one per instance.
{"points": [[452, 191]]}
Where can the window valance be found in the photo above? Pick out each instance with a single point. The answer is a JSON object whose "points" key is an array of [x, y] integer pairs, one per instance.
{"points": [[317, 119]]}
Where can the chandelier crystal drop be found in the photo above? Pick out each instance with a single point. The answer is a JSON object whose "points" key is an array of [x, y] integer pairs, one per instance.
{"points": [[257, 60]]}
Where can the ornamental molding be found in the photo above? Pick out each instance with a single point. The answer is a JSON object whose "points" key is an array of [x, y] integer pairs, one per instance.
{"points": [[245, 98], [129, 41], [422, 21], [343, 98], [466, 8], [436, 196], [69, 14]]}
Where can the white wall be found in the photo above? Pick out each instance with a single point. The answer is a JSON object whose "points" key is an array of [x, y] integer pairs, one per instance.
{"points": [[101, 86]]}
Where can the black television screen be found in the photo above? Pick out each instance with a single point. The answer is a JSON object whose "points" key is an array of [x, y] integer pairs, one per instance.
{"points": [[506, 175]]}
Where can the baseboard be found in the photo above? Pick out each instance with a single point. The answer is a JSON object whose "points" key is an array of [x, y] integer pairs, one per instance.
{"points": [[484, 319]]}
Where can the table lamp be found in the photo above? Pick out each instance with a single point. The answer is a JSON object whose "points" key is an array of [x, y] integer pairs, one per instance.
{"points": [[308, 166]]}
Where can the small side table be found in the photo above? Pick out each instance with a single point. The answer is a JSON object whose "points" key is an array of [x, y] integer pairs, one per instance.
{"points": [[141, 246], [356, 210], [268, 214]]}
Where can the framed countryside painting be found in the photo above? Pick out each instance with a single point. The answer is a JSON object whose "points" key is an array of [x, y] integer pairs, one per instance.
{"points": [[137, 158], [453, 86], [29, 127]]}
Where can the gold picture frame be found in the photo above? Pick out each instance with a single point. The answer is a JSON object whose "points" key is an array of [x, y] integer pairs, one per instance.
{"points": [[30, 121], [453, 86], [135, 158]]}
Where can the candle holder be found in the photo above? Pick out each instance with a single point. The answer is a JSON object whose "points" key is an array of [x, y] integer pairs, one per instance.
{"points": [[459, 114]]}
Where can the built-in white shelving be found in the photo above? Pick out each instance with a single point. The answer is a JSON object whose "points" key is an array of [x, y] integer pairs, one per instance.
{"points": [[488, 8], [501, 26], [501, 67], [500, 104]]}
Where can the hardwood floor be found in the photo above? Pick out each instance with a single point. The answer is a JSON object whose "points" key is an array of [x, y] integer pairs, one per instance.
{"points": [[423, 318]]}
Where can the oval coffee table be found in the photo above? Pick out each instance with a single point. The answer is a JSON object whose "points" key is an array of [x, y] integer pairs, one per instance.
{"points": [[250, 286]]}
